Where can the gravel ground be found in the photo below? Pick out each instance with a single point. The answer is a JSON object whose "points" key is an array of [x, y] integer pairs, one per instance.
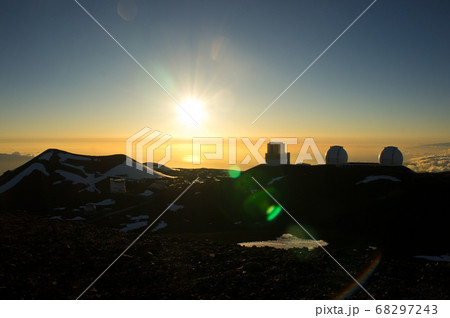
{"points": [[53, 259]]}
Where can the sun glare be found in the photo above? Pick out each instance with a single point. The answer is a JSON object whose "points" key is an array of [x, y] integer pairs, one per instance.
{"points": [[191, 111]]}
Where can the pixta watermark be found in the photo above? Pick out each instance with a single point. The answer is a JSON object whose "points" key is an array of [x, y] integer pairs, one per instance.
{"points": [[146, 142]]}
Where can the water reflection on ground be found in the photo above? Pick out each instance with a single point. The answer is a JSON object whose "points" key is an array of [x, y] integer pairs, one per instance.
{"points": [[286, 241]]}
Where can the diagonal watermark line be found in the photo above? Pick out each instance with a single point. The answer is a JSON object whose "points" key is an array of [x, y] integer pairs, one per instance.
{"points": [[318, 244], [136, 239], [136, 61], [313, 62]]}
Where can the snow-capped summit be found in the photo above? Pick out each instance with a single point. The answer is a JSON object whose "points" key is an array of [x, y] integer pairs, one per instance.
{"points": [[74, 173]]}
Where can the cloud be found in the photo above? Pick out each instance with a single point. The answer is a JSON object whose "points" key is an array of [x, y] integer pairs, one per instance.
{"points": [[430, 163], [12, 161], [14, 156], [442, 144]]}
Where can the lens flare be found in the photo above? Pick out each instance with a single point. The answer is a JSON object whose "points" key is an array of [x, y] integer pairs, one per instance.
{"points": [[234, 172], [127, 9], [272, 212], [362, 278], [191, 111]]}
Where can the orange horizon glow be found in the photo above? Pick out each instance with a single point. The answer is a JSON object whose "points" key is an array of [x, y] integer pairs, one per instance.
{"points": [[358, 150]]}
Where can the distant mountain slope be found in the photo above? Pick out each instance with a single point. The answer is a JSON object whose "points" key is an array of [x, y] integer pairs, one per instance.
{"points": [[368, 203], [157, 167], [350, 204], [55, 172]]}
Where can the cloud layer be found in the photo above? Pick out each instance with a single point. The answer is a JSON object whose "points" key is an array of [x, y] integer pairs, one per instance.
{"points": [[430, 163], [12, 161]]}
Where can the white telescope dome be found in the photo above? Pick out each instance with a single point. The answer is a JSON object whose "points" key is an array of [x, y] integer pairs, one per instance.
{"points": [[391, 156], [336, 155]]}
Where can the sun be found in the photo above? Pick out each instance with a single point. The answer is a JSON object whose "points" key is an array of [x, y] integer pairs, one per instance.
{"points": [[191, 111]]}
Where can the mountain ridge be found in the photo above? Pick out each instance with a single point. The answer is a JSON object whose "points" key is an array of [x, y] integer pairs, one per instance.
{"points": [[54, 168], [342, 204]]}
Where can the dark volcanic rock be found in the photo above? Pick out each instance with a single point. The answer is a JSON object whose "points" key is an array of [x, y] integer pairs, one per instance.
{"points": [[354, 204], [52, 259]]}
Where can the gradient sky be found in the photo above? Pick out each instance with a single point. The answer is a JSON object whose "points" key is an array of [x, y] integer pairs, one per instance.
{"points": [[63, 81]]}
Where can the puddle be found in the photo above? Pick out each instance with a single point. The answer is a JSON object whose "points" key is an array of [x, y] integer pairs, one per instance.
{"points": [[286, 241]]}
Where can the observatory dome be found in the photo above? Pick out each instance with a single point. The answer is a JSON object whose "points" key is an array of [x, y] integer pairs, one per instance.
{"points": [[336, 155], [391, 156]]}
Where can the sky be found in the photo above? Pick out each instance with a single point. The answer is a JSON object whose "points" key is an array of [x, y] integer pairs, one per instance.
{"points": [[64, 83]]}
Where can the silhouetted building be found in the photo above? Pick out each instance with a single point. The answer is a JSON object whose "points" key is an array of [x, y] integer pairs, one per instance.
{"points": [[117, 185], [391, 156], [276, 154], [336, 155]]}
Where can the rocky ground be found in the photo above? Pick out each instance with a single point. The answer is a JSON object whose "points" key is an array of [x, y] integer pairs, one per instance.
{"points": [[54, 259]]}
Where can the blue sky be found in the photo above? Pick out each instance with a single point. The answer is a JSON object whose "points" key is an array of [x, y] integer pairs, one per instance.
{"points": [[386, 78]]}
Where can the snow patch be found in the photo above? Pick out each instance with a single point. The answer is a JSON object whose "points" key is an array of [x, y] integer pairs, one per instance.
{"points": [[375, 178], [122, 170], [74, 166], [66, 156], [119, 171], [274, 180], [106, 202], [56, 217], [286, 241], [146, 193], [160, 226], [77, 218], [14, 181], [133, 226], [176, 207], [139, 217], [89, 180], [442, 258], [46, 156]]}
